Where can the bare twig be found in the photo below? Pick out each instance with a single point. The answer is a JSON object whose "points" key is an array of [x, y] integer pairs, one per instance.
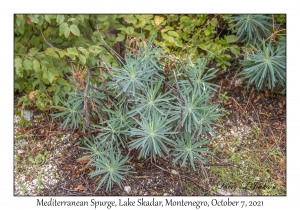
{"points": [[65, 73], [85, 107], [113, 78], [104, 83], [225, 163], [53, 48], [181, 100], [165, 82], [206, 176], [191, 179], [232, 80], [106, 45], [187, 75]]}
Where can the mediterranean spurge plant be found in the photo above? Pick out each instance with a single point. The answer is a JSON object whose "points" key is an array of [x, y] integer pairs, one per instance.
{"points": [[138, 108]]}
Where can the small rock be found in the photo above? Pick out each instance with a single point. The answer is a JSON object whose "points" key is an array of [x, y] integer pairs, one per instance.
{"points": [[174, 172], [127, 189], [27, 115]]}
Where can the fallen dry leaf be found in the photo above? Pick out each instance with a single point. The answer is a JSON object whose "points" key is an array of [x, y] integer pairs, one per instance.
{"points": [[20, 130], [153, 193], [228, 103], [28, 20], [267, 93], [262, 95], [98, 179], [31, 95], [140, 165], [83, 160], [257, 99], [37, 148], [227, 151], [28, 178], [69, 167], [79, 187], [142, 177]]}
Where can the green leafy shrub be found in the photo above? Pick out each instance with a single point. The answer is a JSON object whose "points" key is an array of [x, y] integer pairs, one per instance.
{"points": [[112, 167], [47, 46], [251, 28], [187, 146], [144, 110], [266, 67]]}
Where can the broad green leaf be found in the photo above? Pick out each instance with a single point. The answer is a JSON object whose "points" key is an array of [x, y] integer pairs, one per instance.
{"points": [[148, 17], [19, 71], [20, 17], [55, 99], [164, 30], [50, 76], [74, 29], [67, 32], [235, 49], [174, 17], [141, 23], [178, 43], [72, 51], [102, 18], [19, 21], [27, 64], [94, 39], [61, 81], [105, 26], [173, 33], [120, 38], [60, 19], [231, 39], [44, 69], [33, 51], [62, 53], [130, 30], [56, 89], [148, 27], [35, 83], [130, 19], [55, 71], [82, 58], [17, 86], [36, 65], [51, 53], [41, 105], [184, 19], [33, 18], [47, 18], [72, 56], [41, 20], [83, 50], [18, 62], [168, 38], [71, 19], [67, 88], [207, 32], [62, 28]]}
